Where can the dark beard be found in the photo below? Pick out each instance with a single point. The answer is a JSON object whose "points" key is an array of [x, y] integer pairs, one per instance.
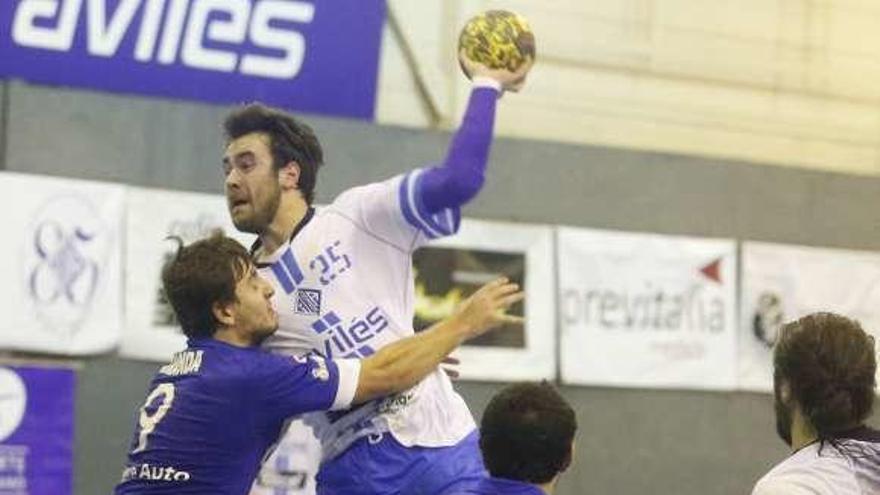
{"points": [[262, 216], [252, 225], [783, 416]]}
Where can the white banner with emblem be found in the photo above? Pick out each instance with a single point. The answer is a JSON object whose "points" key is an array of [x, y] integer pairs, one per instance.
{"points": [[646, 310], [781, 283], [450, 269], [151, 329], [61, 261]]}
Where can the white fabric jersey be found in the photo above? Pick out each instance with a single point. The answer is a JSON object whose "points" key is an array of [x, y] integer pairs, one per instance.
{"points": [[850, 468], [344, 288], [293, 465]]}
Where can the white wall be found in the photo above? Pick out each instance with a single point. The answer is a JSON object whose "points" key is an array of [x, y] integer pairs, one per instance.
{"points": [[789, 82]]}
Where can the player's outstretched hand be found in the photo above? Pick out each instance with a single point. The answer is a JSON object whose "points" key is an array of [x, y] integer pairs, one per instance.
{"points": [[510, 81], [486, 308]]}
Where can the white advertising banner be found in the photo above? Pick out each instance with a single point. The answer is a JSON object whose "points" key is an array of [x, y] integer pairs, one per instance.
{"points": [[646, 310], [60, 257], [781, 283], [450, 269], [151, 329]]}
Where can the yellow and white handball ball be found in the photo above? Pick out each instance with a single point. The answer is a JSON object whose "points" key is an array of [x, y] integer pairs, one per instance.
{"points": [[498, 39]]}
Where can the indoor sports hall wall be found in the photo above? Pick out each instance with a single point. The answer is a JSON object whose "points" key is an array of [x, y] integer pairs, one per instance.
{"points": [[784, 82], [630, 441]]}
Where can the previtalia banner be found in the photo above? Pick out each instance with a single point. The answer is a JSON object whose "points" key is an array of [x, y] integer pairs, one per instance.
{"points": [[448, 270], [308, 55], [61, 261], [36, 430], [781, 283], [646, 310], [151, 331]]}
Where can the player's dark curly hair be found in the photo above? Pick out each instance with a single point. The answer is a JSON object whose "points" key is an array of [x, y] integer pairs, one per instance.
{"points": [[829, 362], [291, 140], [526, 433], [201, 274]]}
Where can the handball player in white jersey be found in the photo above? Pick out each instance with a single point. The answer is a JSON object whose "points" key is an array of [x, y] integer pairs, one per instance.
{"points": [[824, 379], [344, 284]]}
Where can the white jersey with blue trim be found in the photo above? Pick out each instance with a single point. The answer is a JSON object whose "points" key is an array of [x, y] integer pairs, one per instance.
{"points": [[344, 288]]}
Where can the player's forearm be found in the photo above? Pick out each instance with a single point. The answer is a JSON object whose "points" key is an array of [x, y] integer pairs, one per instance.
{"points": [[404, 363], [462, 173]]}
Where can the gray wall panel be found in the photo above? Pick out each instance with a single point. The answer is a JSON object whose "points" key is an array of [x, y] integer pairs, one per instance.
{"points": [[114, 138], [4, 97], [110, 392], [630, 441]]}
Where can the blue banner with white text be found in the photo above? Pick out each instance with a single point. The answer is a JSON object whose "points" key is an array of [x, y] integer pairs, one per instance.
{"points": [[36, 430], [316, 56]]}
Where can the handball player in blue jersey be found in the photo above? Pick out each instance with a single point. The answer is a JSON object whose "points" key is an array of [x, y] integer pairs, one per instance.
{"points": [[527, 439], [215, 409], [344, 284]]}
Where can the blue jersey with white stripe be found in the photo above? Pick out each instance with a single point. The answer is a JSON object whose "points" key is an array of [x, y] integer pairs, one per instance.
{"points": [[345, 288], [212, 413]]}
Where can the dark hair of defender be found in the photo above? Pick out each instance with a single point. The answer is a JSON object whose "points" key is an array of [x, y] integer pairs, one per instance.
{"points": [[290, 140], [829, 362], [200, 275], [526, 433]]}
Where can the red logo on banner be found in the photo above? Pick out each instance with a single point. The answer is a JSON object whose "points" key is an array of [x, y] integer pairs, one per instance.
{"points": [[712, 271]]}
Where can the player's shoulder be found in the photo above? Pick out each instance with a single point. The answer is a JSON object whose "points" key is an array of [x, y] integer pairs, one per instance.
{"points": [[365, 192], [268, 365], [493, 486], [220, 362], [792, 484], [810, 471]]}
